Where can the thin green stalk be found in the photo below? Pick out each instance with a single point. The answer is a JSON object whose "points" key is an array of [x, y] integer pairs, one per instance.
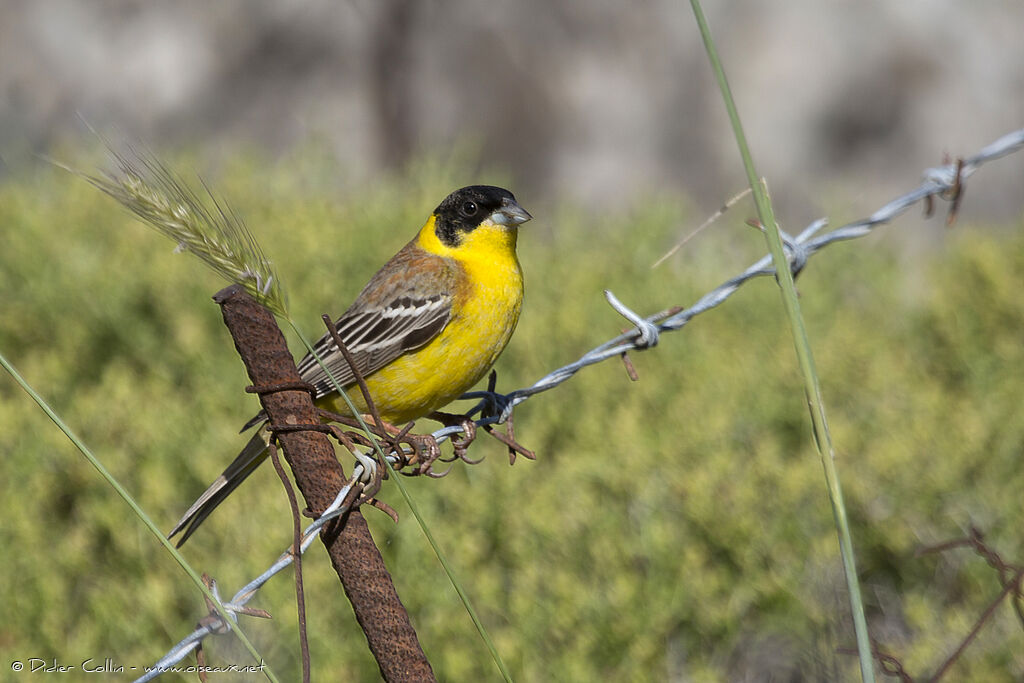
{"points": [[812, 389], [139, 512], [463, 595]]}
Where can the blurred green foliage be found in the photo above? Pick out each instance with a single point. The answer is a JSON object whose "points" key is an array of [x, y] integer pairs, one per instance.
{"points": [[675, 528]]}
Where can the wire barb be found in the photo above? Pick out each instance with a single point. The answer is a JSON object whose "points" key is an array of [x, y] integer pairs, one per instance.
{"points": [[647, 331]]}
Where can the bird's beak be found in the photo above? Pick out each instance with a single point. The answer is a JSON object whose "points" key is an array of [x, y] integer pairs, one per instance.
{"points": [[510, 214]]}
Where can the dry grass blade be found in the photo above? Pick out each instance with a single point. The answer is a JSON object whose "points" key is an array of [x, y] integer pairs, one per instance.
{"points": [[711, 219]]}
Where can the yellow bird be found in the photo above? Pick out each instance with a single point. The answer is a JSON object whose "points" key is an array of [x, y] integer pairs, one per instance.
{"points": [[425, 329]]}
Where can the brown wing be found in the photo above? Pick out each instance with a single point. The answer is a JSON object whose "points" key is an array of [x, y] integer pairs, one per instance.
{"points": [[375, 336], [404, 306]]}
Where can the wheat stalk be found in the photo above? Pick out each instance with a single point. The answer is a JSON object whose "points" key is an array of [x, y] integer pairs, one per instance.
{"points": [[215, 234]]}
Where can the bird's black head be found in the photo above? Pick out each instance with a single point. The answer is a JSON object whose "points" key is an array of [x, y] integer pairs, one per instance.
{"points": [[464, 210]]}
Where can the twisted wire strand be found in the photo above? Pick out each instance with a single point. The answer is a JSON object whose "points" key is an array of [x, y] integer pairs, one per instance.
{"points": [[937, 181]]}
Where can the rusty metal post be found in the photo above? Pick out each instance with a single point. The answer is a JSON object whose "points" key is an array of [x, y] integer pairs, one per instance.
{"points": [[319, 477]]}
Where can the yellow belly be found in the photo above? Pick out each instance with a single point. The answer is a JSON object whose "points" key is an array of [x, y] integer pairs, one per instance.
{"points": [[429, 378]]}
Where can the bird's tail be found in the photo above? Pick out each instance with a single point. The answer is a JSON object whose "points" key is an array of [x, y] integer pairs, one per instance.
{"points": [[254, 453]]}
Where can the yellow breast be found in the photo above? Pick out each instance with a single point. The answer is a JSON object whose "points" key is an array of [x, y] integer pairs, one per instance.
{"points": [[485, 311]]}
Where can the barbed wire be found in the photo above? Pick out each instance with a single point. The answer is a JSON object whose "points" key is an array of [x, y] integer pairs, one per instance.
{"points": [[237, 604], [946, 182]]}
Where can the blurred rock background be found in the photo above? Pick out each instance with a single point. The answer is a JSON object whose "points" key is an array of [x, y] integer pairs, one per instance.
{"points": [[598, 102]]}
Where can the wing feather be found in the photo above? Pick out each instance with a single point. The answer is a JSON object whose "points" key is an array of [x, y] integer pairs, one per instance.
{"points": [[403, 307], [385, 334]]}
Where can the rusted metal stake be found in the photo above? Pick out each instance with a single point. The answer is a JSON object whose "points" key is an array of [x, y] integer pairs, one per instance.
{"points": [[319, 477]]}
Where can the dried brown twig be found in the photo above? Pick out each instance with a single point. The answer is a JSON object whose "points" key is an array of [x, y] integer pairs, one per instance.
{"points": [[1011, 577]]}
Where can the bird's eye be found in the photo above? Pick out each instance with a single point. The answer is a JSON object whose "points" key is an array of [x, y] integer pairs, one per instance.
{"points": [[469, 209]]}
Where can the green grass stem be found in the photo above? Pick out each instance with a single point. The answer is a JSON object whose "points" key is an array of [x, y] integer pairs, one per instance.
{"points": [[812, 388], [139, 512]]}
